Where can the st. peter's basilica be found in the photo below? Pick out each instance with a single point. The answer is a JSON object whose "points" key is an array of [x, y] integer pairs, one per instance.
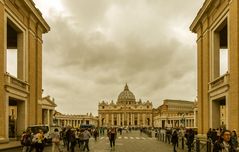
{"points": [[126, 112]]}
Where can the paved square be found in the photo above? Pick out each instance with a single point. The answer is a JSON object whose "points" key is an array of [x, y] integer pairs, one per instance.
{"points": [[127, 142]]}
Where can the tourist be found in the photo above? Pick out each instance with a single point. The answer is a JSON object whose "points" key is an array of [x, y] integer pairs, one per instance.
{"points": [[209, 134], [190, 137], [68, 136], [77, 134], [26, 141], [55, 140], [112, 137], [168, 135], [72, 140], [95, 133], [224, 143], [234, 140], [81, 139], [174, 140], [214, 136], [86, 137], [63, 136], [39, 141]]}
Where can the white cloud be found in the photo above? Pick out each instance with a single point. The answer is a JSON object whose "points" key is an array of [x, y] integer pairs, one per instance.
{"points": [[95, 47]]}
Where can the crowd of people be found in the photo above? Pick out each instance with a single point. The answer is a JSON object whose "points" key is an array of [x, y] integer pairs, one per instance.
{"points": [[30, 141], [223, 140], [219, 140], [68, 138]]}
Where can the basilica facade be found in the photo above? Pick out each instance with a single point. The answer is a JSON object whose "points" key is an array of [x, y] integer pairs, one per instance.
{"points": [[126, 112]]}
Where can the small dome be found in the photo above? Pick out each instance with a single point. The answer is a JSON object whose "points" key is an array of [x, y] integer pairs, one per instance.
{"points": [[126, 96]]}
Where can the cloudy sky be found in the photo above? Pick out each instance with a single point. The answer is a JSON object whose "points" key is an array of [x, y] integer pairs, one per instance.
{"points": [[96, 46]]}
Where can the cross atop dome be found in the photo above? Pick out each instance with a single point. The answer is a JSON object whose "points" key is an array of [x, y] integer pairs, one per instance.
{"points": [[126, 88]]}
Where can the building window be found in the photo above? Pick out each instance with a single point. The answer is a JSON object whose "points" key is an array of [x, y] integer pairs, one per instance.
{"points": [[220, 60], [14, 52]]}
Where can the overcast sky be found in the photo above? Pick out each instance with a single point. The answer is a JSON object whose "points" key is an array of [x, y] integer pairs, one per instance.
{"points": [[96, 46]]}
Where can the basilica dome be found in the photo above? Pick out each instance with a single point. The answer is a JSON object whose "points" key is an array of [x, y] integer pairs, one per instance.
{"points": [[126, 96]]}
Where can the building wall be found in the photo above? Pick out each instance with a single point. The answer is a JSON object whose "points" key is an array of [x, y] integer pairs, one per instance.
{"points": [[122, 115], [3, 118], [175, 113], [210, 87], [75, 120], [25, 89]]}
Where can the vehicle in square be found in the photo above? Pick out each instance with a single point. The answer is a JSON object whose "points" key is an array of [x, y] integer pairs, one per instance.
{"points": [[87, 126], [47, 130]]}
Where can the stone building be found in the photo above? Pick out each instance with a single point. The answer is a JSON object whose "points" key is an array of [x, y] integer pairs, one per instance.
{"points": [[75, 121], [175, 113], [126, 112], [48, 106], [195, 110], [21, 29], [217, 29]]}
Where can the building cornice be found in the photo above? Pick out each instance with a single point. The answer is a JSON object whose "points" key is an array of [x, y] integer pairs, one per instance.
{"points": [[207, 4], [38, 14]]}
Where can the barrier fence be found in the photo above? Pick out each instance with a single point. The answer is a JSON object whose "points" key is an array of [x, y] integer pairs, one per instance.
{"points": [[198, 145]]}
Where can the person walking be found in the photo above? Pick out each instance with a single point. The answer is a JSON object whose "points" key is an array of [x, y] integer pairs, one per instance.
{"points": [[26, 141], [190, 138], [39, 141], [234, 140], [174, 140], [68, 136], [95, 133], [56, 141], [72, 140], [81, 139], [224, 143], [112, 137], [86, 137], [77, 134]]}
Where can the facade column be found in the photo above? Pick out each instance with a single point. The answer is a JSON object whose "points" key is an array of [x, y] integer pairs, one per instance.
{"points": [[112, 119], [48, 116], [151, 120], [127, 119], [132, 119], [123, 116], [143, 119], [100, 120], [138, 121], [107, 119], [129, 115], [118, 119]]}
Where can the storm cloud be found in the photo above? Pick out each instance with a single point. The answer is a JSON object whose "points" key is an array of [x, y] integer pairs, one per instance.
{"points": [[95, 47]]}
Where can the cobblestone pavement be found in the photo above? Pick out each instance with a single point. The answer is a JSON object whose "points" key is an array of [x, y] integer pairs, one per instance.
{"points": [[127, 142]]}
